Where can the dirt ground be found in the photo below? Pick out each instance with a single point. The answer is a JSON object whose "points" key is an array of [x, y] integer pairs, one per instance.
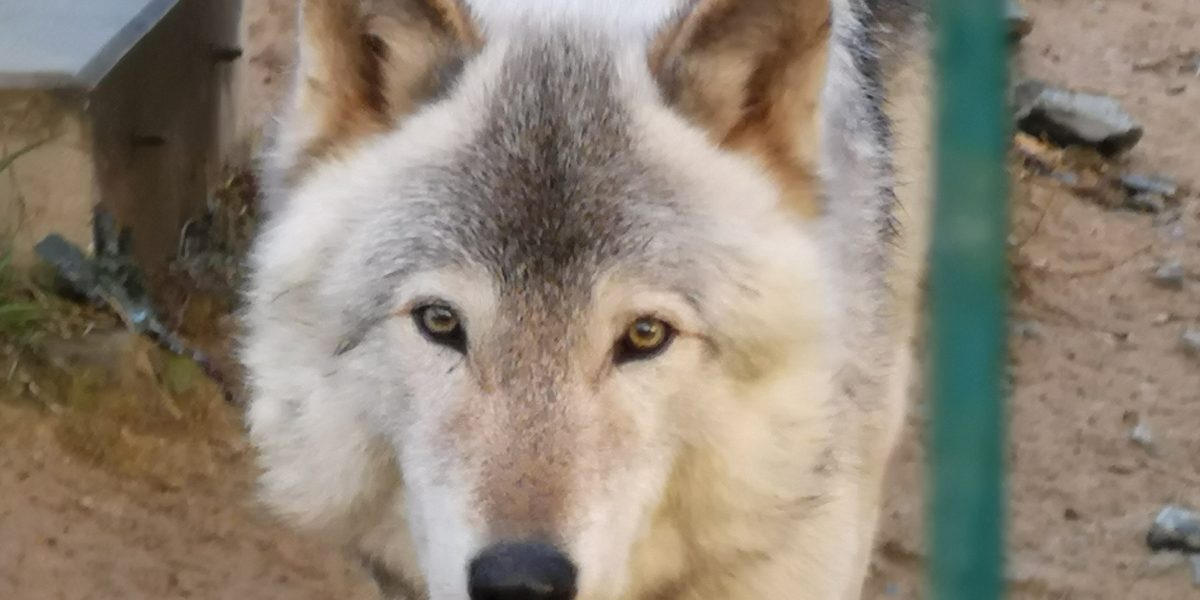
{"points": [[96, 505]]}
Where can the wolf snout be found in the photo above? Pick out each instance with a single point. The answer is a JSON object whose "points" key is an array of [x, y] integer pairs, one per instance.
{"points": [[521, 571]]}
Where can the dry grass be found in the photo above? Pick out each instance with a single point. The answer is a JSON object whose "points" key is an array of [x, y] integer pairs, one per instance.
{"points": [[111, 398]]}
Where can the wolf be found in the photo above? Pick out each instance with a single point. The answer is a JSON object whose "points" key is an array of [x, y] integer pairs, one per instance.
{"points": [[591, 300]]}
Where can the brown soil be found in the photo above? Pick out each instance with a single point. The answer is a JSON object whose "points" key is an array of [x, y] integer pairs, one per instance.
{"points": [[1096, 342], [105, 497]]}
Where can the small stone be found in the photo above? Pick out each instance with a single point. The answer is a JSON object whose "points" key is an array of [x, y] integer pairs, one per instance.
{"points": [[1071, 514], [87, 503], [891, 590], [1175, 528], [1151, 64], [1195, 561], [1066, 178], [1191, 341], [1073, 118], [1121, 469], [1147, 203], [1170, 275], [1161, 319], [1020, 24], [1130, 417], [1142, 436], [1177, 89], [1150, 184], [1028, 330]]}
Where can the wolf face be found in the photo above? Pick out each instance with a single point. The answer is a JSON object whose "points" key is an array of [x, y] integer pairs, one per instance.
{"points": [[538, 314]]}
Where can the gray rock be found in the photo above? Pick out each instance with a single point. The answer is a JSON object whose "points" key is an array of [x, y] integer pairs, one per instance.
{"points": [[1028, 329], [1065, 177], [1170, 274], [1191, 341], [1149, 184], [1019, 21], [1142, 436], [1072, 118], [1195, 561], [1176, 529]]}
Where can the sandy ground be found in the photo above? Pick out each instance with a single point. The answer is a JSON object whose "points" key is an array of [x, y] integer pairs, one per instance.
{"points": [[1095, 351]]}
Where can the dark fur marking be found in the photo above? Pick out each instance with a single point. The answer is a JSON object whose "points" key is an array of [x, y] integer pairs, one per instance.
{"points": [[370, 70], [866, 48], [444, 76]]}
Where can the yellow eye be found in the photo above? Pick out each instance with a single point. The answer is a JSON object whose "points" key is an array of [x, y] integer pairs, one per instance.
{"points": [[441, 325], [439, 319], [644, 338]]}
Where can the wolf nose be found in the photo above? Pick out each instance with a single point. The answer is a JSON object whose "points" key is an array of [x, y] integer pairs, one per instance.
{"points": [[521, 571]]}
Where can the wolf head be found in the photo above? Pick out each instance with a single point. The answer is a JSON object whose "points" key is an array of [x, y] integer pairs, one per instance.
{"points": [[538, 308]]}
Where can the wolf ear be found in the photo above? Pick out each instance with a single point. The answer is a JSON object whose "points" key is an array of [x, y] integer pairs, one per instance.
{"points": [[750, 73], [363, 65]]}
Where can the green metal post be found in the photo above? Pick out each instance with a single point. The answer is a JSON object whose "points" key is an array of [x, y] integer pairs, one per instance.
{"points": [[967, 300]]}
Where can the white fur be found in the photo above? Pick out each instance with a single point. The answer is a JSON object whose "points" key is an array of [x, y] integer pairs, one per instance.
{"points": [[328, 466]]}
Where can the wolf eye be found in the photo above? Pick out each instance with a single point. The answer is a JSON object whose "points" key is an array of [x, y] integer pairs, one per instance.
{"points": [[645, 338], [441, 325]]}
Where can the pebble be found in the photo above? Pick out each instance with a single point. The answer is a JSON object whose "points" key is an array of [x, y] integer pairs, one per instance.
{"points": [[1072, 118], [1170, 275], [1191, 341], [1028, 330], [1151, 64], [1066, 178], [1142, 436], [1175, 528], [1150, 184]]}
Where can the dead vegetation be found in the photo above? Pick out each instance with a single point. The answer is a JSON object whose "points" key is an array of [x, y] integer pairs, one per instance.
{"points": [[113, 397]]}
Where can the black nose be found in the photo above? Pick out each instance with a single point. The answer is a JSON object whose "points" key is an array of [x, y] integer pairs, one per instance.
{"points": [[521, 571]]}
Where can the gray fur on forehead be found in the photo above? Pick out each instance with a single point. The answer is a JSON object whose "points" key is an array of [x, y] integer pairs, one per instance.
{"points": [[549, 193], [552, 188]]}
